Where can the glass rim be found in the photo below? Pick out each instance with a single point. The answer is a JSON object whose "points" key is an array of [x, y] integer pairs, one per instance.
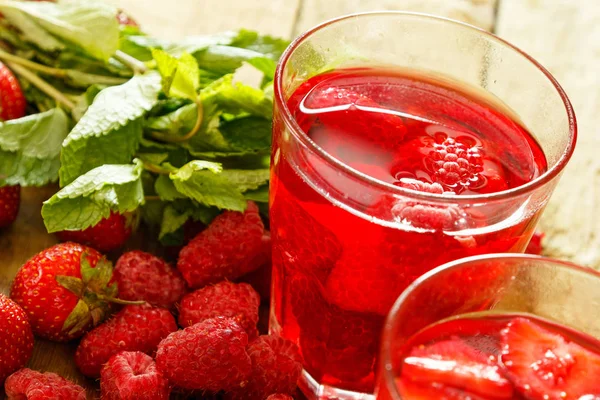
{"points": [[299, 134], [385, 347]]}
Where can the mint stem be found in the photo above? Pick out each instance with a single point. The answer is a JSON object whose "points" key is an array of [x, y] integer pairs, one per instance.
{"points": [[133, 63], [155, 168], [57, 72], [42, 85], [187, 136]]}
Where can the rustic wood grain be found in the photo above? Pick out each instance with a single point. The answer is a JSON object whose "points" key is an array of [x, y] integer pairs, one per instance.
{"points": [[565, 37], [475, 12]]}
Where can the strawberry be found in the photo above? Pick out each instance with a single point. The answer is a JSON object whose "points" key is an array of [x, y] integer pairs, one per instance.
{"points": [[280, 396], [12, 100], [535, 245], [225, 299], [413, 391], [126, 19], [455, 364], [10, 201], [16, 338], [107, 235], [544, 365], [65, 291], [210, 356], [133, 376], [359, 283], [276, 368], [34, 385], [143, 276], [229, 248], [134, 328]]}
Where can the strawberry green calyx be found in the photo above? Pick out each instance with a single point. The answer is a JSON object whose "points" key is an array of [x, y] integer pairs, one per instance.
{"points": [[95, 293]]}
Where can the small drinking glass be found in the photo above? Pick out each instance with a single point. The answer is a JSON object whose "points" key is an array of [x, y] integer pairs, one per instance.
{"points": [[326, 214], [510, 321]]}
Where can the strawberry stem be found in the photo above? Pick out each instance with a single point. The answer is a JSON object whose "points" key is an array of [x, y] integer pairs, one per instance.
{"points": [[120, 301], [187, 136], [42, 85]]}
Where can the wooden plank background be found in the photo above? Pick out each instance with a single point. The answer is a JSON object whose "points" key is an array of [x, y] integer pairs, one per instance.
{"points": [[563, 34]]}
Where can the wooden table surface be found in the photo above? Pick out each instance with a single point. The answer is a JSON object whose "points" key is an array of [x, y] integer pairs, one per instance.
{"points": [[563, 34]]}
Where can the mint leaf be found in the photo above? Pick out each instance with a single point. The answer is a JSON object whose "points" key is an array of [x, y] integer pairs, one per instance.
{"points": [[92, 196], [180, 76], [165, 189], [30, 30], [264, 65], [178, 122], [271, 46], [172, 222], [30, 148], [90, 25], [85, 100], [244, 179], [111, 129], [140, 46], [226, 59], [202, 181], [234, 98], [247, 133], [260, 195]]}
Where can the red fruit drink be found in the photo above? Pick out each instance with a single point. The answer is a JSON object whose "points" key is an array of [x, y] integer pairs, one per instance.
{"points": [[338, 269], [490, 356]]}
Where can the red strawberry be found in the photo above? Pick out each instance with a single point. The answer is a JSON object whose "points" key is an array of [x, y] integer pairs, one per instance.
{"points": [[12, 100], [359, 283], [133, 376], [33, 385], [413, 391], [535, 245], [126, 20], [230, 247], [276, 368], [107, 235], [10, 201], [16, 339], [545, 365], [225, 299], [210, 355], [143, 276], [65, 290], [280, 396], [454, 363], [134, 328]]}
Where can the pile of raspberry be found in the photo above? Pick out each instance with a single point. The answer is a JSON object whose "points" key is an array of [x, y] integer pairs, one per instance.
{"points": [[195, 333]]}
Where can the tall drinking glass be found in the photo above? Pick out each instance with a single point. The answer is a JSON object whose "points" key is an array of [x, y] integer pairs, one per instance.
{"points": [[533, 334], [351, 232]]}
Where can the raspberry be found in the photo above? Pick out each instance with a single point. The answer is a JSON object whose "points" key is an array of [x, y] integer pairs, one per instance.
{"points": [[455, 163], [303, 243], [10, 202], [351, 114], [420, 186], [359, 283], [260, 279], [33, 385], [135, 328], [143, 276], [276, 368], [210, 355], [333, 341], [133, 376], [233, 300], [429, 217], [230, 247], [280, 396]]}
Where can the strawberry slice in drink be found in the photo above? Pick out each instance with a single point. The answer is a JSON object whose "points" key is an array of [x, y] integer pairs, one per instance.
{"points": [[544, 365], [455, 364]]}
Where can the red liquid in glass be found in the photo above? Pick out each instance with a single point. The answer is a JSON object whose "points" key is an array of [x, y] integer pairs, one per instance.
{"points": [[494, 357], [337, 273]]}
